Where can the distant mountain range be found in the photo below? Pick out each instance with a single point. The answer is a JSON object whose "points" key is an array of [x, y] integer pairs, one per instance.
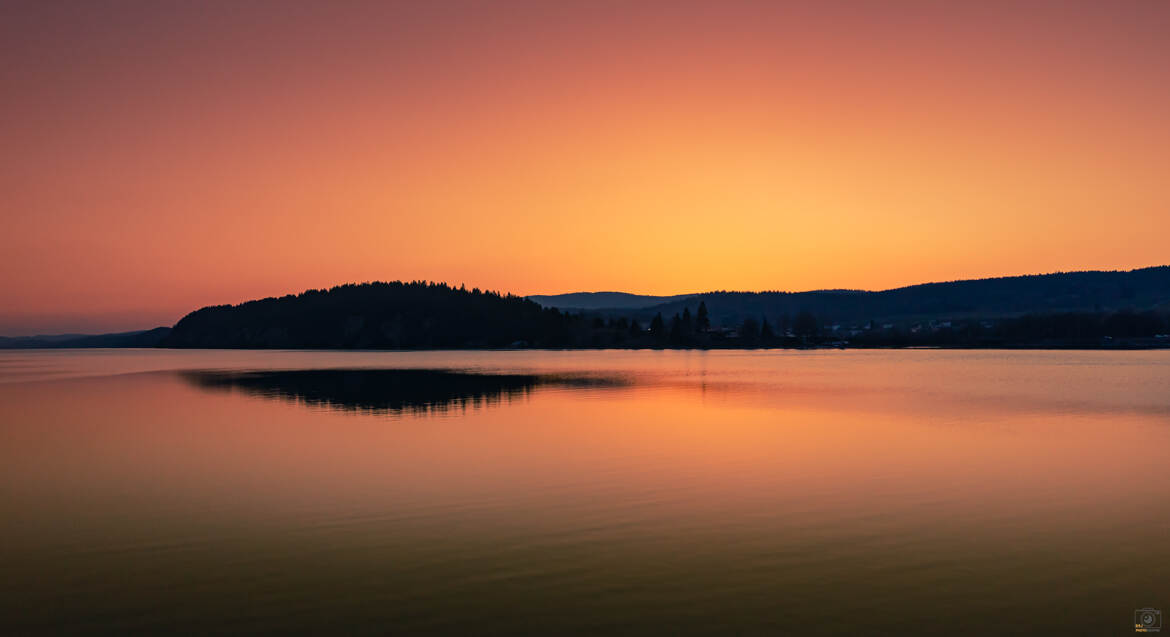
{"points": [[138, 338], [604, 300], [1088, 291]]}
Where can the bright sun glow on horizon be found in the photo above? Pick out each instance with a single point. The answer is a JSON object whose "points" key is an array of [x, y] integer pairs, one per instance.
{"points": [[162, 156]]}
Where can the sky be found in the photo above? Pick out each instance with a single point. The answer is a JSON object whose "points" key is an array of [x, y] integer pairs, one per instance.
{"points": [[160, 156]]}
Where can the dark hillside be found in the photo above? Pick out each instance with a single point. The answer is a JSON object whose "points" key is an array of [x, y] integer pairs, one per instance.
{"points": [[372, 315], [1144, 289]]}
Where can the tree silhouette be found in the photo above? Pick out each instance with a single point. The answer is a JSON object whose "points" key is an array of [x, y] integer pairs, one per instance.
{"points": [[805, 325], [766, 333], [749, 331], [391, 315], [676, 330], [702, 320], [424, 315], [657, 325]]}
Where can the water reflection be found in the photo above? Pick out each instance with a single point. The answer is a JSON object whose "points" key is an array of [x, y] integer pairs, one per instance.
{"points": [[792, 493], [391, 391]]}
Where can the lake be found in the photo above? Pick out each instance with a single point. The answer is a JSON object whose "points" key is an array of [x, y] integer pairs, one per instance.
{"points": [[583, 492]]}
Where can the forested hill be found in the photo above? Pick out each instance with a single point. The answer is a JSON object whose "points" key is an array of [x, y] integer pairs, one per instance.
{"points": [[373, 315], [1144, 289], [1066, 309]]}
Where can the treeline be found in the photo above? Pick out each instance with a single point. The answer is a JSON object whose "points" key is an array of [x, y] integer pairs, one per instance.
{"points": [[423, 315], [1125, 328], [395, 315], [687, 330]]}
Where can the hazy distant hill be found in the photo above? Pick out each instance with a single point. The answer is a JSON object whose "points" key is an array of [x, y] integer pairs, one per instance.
{"points": [[139, 338], [600, 300], [1092, 291]]}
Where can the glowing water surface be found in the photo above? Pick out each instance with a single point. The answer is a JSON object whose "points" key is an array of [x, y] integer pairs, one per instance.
{"points": [[616, 492]]}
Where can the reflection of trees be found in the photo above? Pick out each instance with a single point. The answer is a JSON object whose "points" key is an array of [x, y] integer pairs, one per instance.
{"points": [[391, 391]]}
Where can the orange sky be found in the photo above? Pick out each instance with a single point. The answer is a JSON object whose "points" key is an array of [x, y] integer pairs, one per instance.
{"points": [[161, 156]]}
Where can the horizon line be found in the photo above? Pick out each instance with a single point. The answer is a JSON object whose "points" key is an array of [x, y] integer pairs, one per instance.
{"points": [[48, 334]]}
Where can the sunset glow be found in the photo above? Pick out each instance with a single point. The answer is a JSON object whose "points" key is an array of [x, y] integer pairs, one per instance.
{"points": [[162, 156]]}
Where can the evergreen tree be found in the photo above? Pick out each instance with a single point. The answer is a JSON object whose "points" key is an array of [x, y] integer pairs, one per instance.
{"points": [[635, 328], [766, 333], [676, 333], [687, 323], [702, 320], [805, 325], [749, 331]]}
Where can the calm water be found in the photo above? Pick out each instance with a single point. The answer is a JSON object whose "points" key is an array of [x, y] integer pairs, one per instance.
{"points": [[511, 493]]}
